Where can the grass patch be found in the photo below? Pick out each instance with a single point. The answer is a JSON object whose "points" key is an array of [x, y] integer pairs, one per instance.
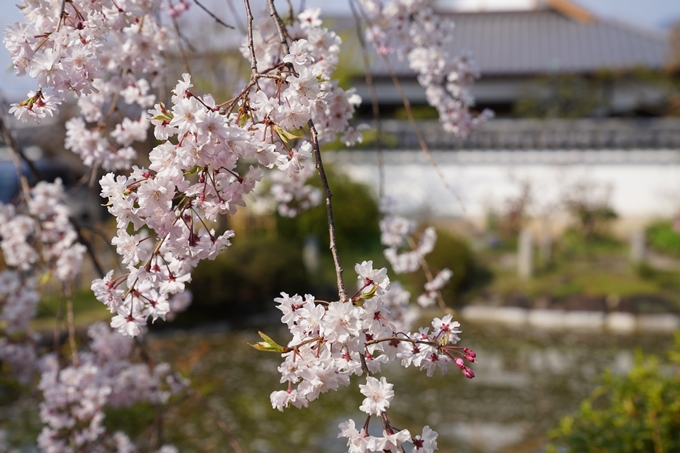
{"points": [[597, 268]]}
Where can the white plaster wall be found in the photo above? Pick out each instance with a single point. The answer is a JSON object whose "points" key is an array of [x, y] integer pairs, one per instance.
{"points": [[641, 184]]}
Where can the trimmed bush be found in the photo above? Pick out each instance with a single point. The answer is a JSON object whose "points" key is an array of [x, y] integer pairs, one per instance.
{"points": [[663, 238], [637, 412]]}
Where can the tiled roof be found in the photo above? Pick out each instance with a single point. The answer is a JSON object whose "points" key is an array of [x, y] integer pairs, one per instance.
{"points": [[546, 41]]}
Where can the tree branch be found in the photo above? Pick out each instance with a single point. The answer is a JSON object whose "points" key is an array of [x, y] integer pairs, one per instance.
{"points": [[280, 28], [217, 19], [342, 292], [239, 24], [251, 45], [71, 324], [375, 106]]}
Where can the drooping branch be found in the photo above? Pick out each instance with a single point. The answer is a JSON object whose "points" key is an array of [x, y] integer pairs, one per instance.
{"points": [[16, 154], [251, 45], [211, 14], [375, 106], [342, 292], [185, 61], [89, 249], [430, 277], [70, 321], [237, 17], [280, 28]]}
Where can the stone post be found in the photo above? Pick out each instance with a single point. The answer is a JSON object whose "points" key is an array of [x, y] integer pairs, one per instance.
{"points": [[637, 247], [525, 255]]}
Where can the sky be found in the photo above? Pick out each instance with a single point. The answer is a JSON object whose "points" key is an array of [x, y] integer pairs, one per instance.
{"points": [[654, 14]]}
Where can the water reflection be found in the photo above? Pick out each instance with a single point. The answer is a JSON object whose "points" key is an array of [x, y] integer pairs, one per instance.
{"points": [[526, 380], [488, 436]]}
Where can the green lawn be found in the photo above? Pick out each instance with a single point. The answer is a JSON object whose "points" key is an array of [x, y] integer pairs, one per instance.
{"points": [[597, 268]]}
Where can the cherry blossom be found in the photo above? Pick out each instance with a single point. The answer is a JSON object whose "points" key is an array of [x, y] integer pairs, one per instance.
{"points": [[211, 157], [378, 394]]}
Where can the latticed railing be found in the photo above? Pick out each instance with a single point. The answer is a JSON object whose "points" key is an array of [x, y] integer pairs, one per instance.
{"points": [[605, 134]]}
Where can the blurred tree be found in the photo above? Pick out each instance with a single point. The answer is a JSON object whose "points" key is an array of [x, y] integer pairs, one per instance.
{"points": [[589, 205], [560, 96]]}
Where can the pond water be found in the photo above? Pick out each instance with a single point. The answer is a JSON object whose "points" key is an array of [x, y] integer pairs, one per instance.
{"points": [[526, 380]]}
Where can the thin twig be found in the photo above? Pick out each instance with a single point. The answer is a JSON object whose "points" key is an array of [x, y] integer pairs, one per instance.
{"points": [[291, 14], [217, 19], [419, 133], [88, 247], [156, 437], [429, 276], [107, 242], [154, 431], [342, 292], [375, 106], [364, 366], [237, 16], [185, 62], [251, 45], [13, 148], [56, 339], [71, 324], [280, 28], [61, 14], [112, 108]]}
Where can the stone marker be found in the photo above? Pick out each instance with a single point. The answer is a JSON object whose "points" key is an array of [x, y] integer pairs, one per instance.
{"points": [[637, 247], [545, 248], [525, 255]]}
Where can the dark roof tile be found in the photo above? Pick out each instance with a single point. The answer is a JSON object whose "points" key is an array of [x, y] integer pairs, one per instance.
{"points": [[543, 41]]}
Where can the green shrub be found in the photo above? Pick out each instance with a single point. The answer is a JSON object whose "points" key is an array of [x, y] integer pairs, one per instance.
{"points": [[356, 217], [246, 277], [663, 238], [636, 412]]}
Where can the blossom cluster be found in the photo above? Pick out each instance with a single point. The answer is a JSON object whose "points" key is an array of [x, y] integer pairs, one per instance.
{"points": [[193, 176], [331, 341], [99, 51], [406, 254], [39, 239], [43, 233], [304, 90], [75, 396], [39, 236], [211, 156], [413, 31]]}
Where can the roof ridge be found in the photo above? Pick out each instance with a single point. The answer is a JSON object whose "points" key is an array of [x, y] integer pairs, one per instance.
{"points": [[571, 10]]}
